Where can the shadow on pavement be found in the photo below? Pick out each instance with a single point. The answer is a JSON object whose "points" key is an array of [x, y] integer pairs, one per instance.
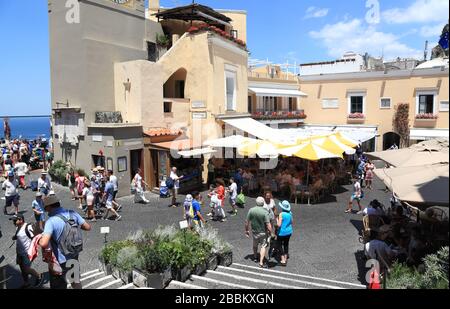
{"points": [[358, 224], [361, 264]]}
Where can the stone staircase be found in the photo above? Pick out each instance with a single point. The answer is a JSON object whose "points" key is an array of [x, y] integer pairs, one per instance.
{"points": [[237, 276]]}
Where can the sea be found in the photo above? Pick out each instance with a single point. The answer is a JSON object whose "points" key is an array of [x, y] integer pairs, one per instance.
{"points": [[28, 127]]}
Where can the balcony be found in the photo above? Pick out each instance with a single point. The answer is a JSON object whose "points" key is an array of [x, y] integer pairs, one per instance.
{"points": [[426, 120], [356, 118], [279, 77], [279, 115]]}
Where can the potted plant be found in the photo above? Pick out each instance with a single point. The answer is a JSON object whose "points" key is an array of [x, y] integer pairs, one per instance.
{"points": [[162, 40], [108, 256], [128, 258], [156, 271]]}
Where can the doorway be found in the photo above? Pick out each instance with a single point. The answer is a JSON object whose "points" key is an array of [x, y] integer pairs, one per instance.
{"points": [[136, 162], [390, 139]]}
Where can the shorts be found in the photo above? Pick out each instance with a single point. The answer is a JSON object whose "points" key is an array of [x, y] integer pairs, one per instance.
{"points": [[355, 197], [59, 281], [90, 200], [261, 239], [12, 200], [39, 218], [233, 201], [23, 260], [109, 205]]}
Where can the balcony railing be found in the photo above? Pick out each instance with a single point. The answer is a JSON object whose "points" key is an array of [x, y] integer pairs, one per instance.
{"points": [[282, 76], [268, 115]]}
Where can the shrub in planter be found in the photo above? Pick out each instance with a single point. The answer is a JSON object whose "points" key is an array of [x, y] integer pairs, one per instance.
{"points": [[212, 262], [156, 271], [58, 172], [219, 247], [128, 258], [109, 255]]}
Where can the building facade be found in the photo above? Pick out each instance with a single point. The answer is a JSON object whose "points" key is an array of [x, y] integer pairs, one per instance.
{"points": [[367, 101], [129, 92]]}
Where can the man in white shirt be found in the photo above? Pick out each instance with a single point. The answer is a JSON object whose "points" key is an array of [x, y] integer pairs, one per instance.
{"points": [[115, 182], [379, 250], [232, 189], [44, 184], [11, 193], [176, 185], [21, 169], [23, 237]]}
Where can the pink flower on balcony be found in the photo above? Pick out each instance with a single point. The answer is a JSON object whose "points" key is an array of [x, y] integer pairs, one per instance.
{"points": [[193, 29], [427, 116], [356, 116]]}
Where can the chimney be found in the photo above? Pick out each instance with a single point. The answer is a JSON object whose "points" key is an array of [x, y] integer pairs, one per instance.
{"points": [[153, 5]]}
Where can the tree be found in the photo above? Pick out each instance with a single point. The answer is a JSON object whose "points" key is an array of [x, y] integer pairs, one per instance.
{"points": [[400, 123]]}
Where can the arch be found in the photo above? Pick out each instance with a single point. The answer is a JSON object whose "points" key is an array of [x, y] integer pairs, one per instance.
{"points": [[389, 139], [174, 86]]}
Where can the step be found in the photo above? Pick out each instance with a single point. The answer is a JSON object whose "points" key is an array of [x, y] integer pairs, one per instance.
{"points": [[272, 280], [311, 279], [177, 285], [252, 281], [127, 286], [209, 282], [111, 285], [99, 282]]}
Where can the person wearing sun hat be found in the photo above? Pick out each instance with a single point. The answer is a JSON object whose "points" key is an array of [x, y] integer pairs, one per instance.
{"points": [[12, 197], [285, 231]]}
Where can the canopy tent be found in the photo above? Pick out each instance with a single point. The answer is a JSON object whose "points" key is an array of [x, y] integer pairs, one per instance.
{"points": [[410, 157], [276, 92], [426, 184], [263, 149], [309, 151], [441, 144], [195, 11], [233, 141], [259, 130], [428, 134], [356, 134], [196, 152], [334, 143]]}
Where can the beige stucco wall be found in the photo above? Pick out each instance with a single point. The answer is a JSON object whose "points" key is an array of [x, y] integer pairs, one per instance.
{"points": [[399, 89], [239, 22]]}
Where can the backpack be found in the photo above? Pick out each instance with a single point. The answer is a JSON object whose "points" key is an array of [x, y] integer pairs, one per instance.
{"points": [[33, 229], [240, 199], [71, 240], [170, 183]]}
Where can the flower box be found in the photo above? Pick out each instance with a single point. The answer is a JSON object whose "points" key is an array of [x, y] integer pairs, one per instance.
{"points": [[226, 259], [125, 276], [200, 269], [144, 279], [182, 274], [212, 262], [106, 268], [427, 117]]}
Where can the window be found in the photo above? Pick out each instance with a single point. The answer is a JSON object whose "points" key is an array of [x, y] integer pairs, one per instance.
{"points": [[330, 103], [151, 50], [291, 104], [230, 88], [356, 104], [98, 161], [234, 34], [269, 104], [167, 107], [122, 164], [179, 89], [443, 106], [249, 104], [426, 104], [385, 103]]}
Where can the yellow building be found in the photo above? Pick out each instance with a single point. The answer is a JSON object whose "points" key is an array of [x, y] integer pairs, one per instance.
{"points": [[367, 101]]}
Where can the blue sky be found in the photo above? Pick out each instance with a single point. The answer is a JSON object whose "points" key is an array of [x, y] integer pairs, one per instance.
{"points": [[283, 30]]}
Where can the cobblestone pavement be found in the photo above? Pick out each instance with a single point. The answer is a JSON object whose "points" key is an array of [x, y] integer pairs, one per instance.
{"points": [[325, 241]]}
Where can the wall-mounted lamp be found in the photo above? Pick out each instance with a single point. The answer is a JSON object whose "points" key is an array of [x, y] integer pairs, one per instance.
{"points": [[127, 85]]}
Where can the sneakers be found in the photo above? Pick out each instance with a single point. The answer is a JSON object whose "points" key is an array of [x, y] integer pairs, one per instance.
{"points": [[118, 218], [119, 208], [348, 211], [359, 212], [234, 213]]}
